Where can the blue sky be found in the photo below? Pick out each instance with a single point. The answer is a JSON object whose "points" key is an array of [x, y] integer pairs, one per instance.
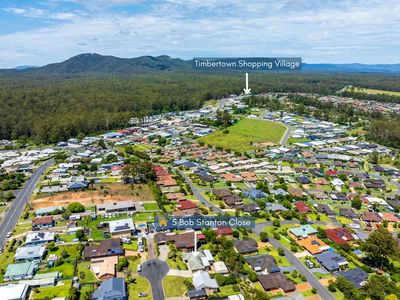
{"points": [[45, 31]]}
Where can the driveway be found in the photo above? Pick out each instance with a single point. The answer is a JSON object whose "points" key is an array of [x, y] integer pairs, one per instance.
{"points": [[164, 250], [180, 273], [154, 271]]}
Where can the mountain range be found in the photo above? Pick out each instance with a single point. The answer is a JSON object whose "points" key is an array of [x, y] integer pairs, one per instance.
{"points": [[92, 63]]}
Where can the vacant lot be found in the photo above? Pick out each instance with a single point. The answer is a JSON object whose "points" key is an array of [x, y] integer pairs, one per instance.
{"points": [[372, 91], [247, 134], [110, 192]]}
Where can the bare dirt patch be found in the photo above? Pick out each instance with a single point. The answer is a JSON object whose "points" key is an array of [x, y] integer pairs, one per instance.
{"points": [[115, 192]]}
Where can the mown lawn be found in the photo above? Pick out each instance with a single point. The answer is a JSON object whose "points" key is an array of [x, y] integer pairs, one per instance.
{"points": [[140, 285], [66, 270], [173, 286], [243, 135], [84, 268], [51, 292], [178, 264], [72, 250], [151, 206]]}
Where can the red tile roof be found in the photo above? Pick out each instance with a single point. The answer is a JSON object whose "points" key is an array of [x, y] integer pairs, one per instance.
{"points": [[186, 204], [302, 207], [339, 235]]}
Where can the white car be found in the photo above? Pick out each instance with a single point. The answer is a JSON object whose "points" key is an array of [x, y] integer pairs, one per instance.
{"points": [[355, 226], [139, 268], [9, 234]]}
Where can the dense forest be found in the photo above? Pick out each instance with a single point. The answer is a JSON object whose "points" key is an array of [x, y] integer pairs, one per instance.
{"points": [[50, 109]]}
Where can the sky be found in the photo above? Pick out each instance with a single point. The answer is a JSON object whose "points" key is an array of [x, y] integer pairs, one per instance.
{"points": [[320, 31]]}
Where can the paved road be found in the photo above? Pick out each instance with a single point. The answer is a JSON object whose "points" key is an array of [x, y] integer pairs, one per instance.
{"points": [[311, 279], [22, 197], [198, 195], [286, 135], [295, 262], [154, 271]]}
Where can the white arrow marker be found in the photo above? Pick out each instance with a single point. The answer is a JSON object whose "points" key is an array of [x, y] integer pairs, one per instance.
{"points": [[247, 90]]}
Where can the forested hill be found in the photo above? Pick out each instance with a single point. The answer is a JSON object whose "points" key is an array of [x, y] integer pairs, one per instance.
{"points": [[91, 93], [92, 63]]}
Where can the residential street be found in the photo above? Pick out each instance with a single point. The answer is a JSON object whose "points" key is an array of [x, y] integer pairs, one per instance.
{"points": [[286, 135], [154, 271], [311, 279], [295, 262], [17, 206], [198, 194]]}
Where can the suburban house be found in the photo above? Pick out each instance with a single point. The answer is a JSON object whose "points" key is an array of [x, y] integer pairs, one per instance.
{"points": [[357, 276], [331, 260], [274, 281], [113, 207], [33, 253], [20, 271], [121, 226], [339, 235], [200, 294], [301, 207], [313, 245], [202, 280], [111, 289], [325, 209], [40, 223], [14, 291], [183, 241], [105, 248], [220, 267], [263, 263], [348, 213], [37, 238], [245, 246], [104, 267], [201, 260], [302, 232]]}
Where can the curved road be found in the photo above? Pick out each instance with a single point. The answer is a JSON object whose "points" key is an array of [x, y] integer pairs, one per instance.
{"points": [[295, 262], [17, 206], [286, 135], [197, 193], [154, 271]]}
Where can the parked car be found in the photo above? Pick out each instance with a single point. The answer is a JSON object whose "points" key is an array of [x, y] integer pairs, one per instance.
{"points": [[9, 234], [139, 268], [142, 295], [309, 264]]}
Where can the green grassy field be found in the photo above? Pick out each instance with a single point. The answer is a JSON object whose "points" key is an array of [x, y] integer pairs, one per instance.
{"points": [[140, 285], [373, 91], [173, 286], [243, 135], [51, 292]]}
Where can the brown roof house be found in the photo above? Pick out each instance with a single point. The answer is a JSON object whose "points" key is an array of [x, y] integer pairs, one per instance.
{"points": [[245, 246], [42, 223], [105, 248], [274, 281]]}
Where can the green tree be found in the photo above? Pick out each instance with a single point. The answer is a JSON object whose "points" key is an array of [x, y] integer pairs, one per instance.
{"points": [[73, 293], [379, 245], [356, 202], [76, 207]]}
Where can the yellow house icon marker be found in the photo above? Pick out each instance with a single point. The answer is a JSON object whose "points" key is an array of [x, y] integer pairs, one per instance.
{"points": [[162, 222]]}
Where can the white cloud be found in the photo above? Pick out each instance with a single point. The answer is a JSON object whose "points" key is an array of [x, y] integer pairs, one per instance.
{"points": [[31, 12], [351, 31]]}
